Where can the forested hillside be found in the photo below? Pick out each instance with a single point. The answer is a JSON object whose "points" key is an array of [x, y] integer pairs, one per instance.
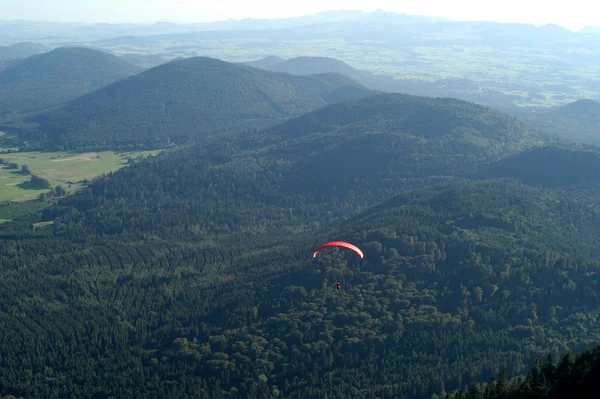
{"points": [[183, 100], [458, 282], [578, 121], [569, 377], [329, 162], [190, 274], [48, 79], [551, 166]]}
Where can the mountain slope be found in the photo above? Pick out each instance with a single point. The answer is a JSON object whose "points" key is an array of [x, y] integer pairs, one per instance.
{"points": [[458, 281], [183, 100], [578, 121], [60, 75]]}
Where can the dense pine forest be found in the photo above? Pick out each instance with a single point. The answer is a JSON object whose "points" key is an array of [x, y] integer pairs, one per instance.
{"points": [[569, 377], [190, 274]]}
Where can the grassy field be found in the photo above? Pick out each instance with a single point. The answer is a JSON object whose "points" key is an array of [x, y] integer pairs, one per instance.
{"points": [[66, 169]]}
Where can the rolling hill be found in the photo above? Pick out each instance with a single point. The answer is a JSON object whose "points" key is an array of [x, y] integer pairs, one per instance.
{"points": [[21, 50], [577, 121], [551, 166], [183, 100], [49, 79], [464, 89], [330, 162]]}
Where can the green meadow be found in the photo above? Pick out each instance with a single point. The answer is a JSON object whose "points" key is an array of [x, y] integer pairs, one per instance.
{"points": [[67, 169]]}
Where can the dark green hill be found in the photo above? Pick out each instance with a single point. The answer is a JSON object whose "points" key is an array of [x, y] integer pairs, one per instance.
{"points": [[578, 121], [183, 100], [21, 50], [44, 80], [551, 166], [392, 140]]}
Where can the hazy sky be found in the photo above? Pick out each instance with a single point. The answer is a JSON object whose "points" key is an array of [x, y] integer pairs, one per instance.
{"points": [[572, 14]]}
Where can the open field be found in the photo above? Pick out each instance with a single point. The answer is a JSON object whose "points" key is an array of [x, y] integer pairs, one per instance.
{"points": [[66, 169]]}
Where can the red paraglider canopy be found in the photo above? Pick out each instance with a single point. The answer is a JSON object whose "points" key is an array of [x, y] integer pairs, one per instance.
{"points": [[342, 244]]}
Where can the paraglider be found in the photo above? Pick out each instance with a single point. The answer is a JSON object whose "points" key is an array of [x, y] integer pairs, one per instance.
{"points": [[341, 244]]}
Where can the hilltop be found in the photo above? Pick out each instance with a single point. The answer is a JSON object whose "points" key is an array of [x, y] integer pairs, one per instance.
{"points": [[183, 100], [48, 79], [21, 50]]}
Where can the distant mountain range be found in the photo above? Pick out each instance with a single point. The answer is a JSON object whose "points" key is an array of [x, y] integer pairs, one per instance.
{"points": [[25, 30], [333, 21]]}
